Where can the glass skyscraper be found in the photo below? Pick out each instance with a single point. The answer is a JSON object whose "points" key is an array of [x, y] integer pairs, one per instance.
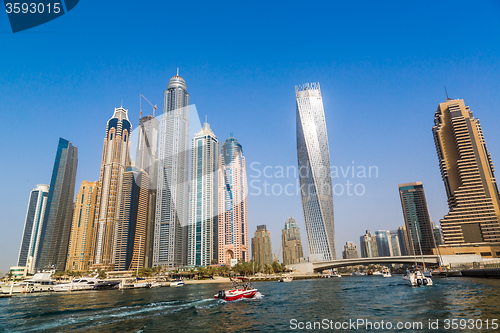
{"points": [[54, 239], [233, 218], [172, 201], [28, 253], [314, 172], [417, 219], [202, 233]]}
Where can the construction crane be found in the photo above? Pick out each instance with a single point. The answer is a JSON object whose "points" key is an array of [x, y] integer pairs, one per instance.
{"points": [[277, 254], [141, 96]]}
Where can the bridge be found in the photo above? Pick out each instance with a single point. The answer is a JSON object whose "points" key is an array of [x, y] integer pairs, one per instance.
{"points": [[309, 267]]}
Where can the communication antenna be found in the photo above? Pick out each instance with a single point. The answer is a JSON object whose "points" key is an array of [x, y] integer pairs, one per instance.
{"points": [[446, 91]]}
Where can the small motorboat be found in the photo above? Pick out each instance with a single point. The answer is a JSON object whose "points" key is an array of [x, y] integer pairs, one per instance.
{"points": [[286, 279], [242, 288], [386, 273], [177, 283], [417, 279]]}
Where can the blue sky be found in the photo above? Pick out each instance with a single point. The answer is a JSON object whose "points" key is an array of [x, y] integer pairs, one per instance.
{"points": [[381, 65]]}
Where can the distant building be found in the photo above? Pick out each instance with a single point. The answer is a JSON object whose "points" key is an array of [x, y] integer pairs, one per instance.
{"points": [[261, 246], [417, 219], [33, 225], [368, 244], [232, 201], [130, 240], [172, 197], [202, 245], [115, 158], [403, 241], [314, 172], [438, 234], [81, 239], [350, 251], [388, 243], [54, 240], [291, 242], [147, 159]]}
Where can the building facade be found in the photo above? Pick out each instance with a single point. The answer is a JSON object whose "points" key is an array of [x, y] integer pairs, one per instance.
{"points": [[33, 225], [468, 175], [202, 232], [147, 160], [262, 250], [403, 241], [115, 158], [81, 239], [56, 229], [314, 172], [232, 218], [291, 242], [172, 197], [130, 240], [417, 220], [350, 251], [368, 244]]}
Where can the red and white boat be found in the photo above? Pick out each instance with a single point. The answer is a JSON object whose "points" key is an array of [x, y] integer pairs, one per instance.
{"points": [[241, 288]]}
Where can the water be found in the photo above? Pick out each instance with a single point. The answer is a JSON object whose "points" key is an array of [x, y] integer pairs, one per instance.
{"points": [[192, 308]]}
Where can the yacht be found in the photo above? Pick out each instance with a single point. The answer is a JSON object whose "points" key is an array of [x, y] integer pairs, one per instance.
{"points": [[38, 283], [84, 283], [177, 283], [417, 279], [286, 279], [386, 273]]}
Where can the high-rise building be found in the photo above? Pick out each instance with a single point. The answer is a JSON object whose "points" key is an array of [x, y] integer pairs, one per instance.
{"points": [[417, 219], [147, 160], [368, 244], [172, 199], [314, 172], [403, 241], [393, 240], [54, 240], [438, 234], [291, 242], [383, 248], [350, 251], [115, 158], [468, 174], [30, 244], [202, 238], [130, 236], [81, 239], [233, 218], [262, 250]]}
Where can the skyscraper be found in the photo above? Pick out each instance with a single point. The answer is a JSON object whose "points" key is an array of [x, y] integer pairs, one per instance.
{"points": [[403, 241], [291, 242], [28, 253], [417, 219], [130, 240], [368, 244], [147, 160], [350, 251], [173, 169], [233, 218], [202, 248], [81, 239], [115, 158], [314, 172], [54, 240], [262, 250], [468, 175]]}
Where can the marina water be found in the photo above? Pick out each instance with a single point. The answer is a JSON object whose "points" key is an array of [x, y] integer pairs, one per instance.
{"points": [[284, 307]]}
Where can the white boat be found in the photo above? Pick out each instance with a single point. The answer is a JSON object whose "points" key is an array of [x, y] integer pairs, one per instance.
{"points": [[155, 285], [336, 275], [177, 283], [38, 283], [286, 279], [134, 284], [84, 283], [377, 273], [386, 273], [417, 279]]}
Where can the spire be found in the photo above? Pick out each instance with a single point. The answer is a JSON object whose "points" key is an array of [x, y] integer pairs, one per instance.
{"points": [[446, 91], [177, 71]]}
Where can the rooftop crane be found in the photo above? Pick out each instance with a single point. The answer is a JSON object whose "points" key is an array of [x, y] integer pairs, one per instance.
{"points": [[140, 105]]}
